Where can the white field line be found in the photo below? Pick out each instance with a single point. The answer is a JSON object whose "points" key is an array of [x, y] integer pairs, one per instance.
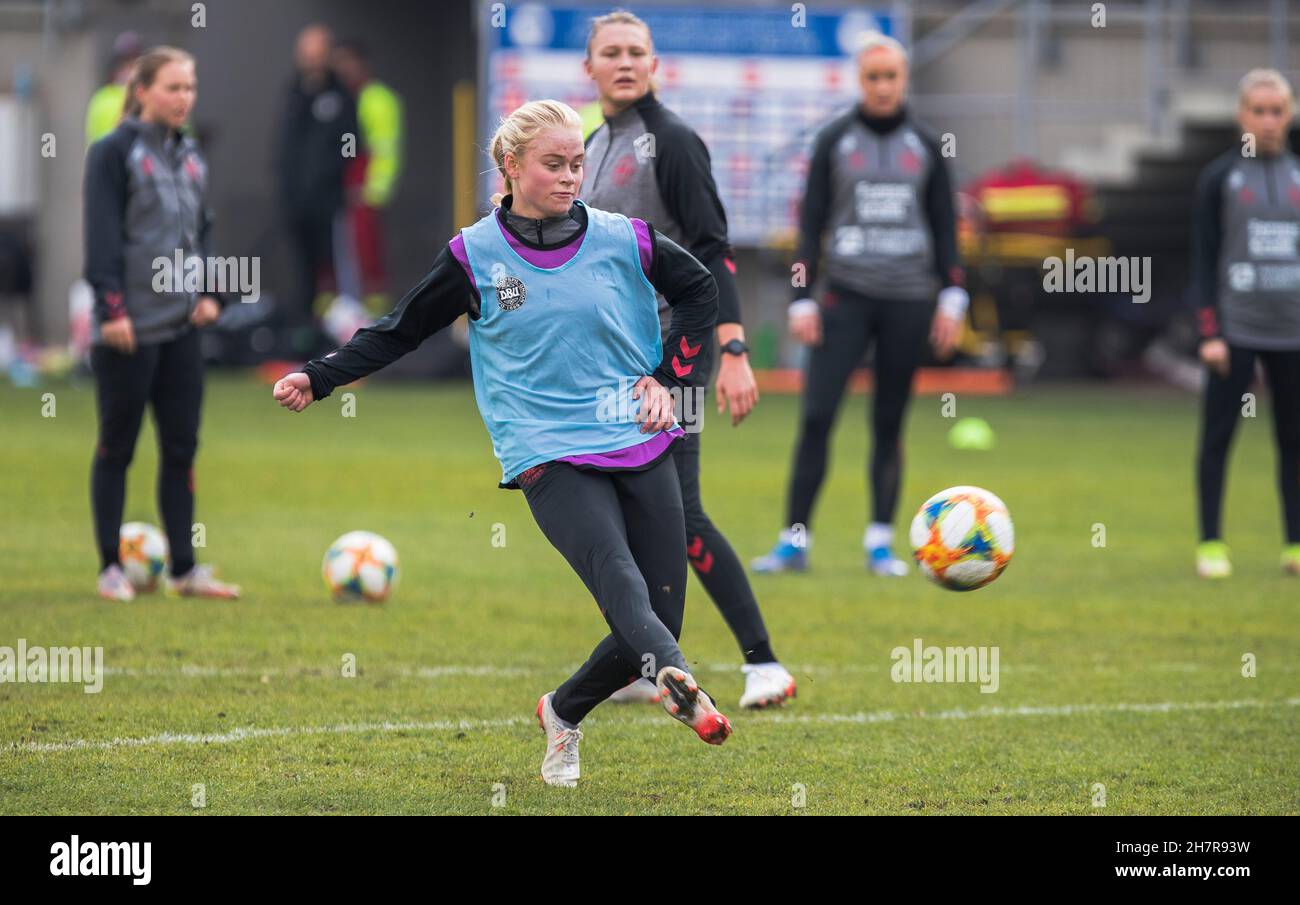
{"points": [[194, 671], [879, 716], [198, 671]]}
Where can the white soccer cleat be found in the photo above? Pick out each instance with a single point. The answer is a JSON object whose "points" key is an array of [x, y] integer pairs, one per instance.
{"points": [[642, 691], [560, 765], [881, 561], [201, 582], [786, 556], [681, 696], [766, 685], [114, 585]]}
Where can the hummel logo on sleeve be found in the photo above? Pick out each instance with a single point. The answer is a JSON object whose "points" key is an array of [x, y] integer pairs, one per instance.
{"points": [[688, 352]]}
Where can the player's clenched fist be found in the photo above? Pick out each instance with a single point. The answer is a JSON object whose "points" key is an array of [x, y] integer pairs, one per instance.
{"points": [[293, 391]]}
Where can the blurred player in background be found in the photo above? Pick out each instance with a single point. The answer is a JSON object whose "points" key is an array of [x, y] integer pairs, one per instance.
{"points": [[145, 192], [562, 308], [105, 108], [319, 114], [370, 178], [645, 162], [879, 186], [1246, 278]]}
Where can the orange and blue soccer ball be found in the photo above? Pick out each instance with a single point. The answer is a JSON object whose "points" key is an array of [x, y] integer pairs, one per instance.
{"points": [[360, 565], [142, 549], [962, 538]]}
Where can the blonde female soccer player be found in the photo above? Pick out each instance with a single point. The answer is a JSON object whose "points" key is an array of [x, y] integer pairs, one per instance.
{"points": [[561, 301], [1246, 276], [879, 196]]}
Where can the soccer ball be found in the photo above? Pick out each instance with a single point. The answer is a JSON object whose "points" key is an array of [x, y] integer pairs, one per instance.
{"points": [[962, 538], [142, 548], [360, 566]]}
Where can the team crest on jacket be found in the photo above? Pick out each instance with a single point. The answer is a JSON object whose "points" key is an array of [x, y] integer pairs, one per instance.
{"points": [[510, 293]]}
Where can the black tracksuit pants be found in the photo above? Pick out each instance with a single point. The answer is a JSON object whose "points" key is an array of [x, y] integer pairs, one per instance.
{"points": [[850, 321], [624, 533], [168, 376], [1221, 413], [716, 564]]}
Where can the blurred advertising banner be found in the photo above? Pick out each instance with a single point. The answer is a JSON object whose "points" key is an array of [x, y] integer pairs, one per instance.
{"points": [[755, 83]]}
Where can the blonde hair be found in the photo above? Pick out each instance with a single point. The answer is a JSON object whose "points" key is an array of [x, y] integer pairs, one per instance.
{"points": [[518, 130], [617, 17], [145, 71], [874, 40], [1257, 78]]}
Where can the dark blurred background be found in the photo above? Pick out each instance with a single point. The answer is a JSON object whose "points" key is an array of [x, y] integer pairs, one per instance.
{"points": [[1109, 124]]}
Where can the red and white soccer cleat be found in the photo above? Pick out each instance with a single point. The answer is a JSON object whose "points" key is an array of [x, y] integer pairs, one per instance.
{"points": [[766, 685], [114, 585], [200, 582], [681, 696], [560, 765]]}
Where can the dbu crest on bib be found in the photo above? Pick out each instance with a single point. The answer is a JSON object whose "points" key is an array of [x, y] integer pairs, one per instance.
{"points": [[510, 293]]}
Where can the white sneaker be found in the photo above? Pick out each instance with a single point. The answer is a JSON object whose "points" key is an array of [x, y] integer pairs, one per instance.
{"points": [[200, 581], [766, 685], [681, 696], [114, 585], [560, 765], [642, 691], [881, 561]]}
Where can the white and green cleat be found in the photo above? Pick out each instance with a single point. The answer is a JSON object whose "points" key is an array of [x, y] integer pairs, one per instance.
{"points": [[1291, 559], [1212, 559]]}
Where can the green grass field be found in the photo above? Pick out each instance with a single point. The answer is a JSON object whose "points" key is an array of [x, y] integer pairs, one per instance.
{"points": [[1118, 666]]}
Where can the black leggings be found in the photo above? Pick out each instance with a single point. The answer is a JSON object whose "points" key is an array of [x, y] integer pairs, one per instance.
{"points": [[1222, 411], [715, 562], [170, 376], [312, 232], [849, 322], [623, 532]]}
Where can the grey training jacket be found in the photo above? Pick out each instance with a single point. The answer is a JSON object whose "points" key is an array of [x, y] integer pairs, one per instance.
{"points": [[145, 189]]}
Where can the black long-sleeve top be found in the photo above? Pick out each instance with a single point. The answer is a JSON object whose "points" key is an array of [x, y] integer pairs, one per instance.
{"points": [[446, 292], [1207, 239], [669, 182]]}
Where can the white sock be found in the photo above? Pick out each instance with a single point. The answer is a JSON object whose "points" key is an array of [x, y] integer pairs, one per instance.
{"points": [[797, 536], [879, 534]]}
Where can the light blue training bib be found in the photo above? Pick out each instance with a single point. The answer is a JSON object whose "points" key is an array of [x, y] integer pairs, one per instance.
{"points": [[555, 352]]}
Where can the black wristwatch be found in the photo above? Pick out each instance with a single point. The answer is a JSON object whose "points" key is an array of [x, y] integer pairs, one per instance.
{"points": [[735, 347]]}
